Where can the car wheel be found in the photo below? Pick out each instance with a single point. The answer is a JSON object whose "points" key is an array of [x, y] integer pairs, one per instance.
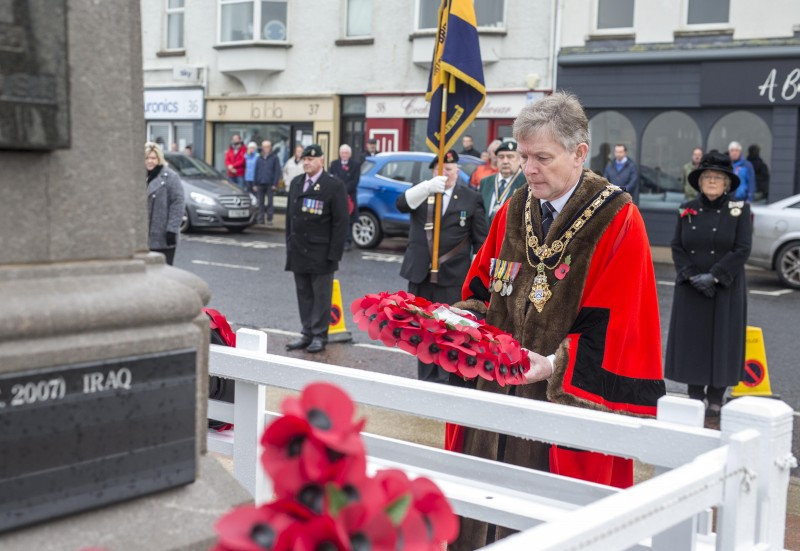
{"points": [[787, 264], [186, 224], [367, 230]]}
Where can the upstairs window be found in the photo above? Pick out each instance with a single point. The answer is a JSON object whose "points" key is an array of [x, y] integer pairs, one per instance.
{"points": [[247, 20], [490, 14], [175, 9], [708, 12], [614, 14], [359, 18]]}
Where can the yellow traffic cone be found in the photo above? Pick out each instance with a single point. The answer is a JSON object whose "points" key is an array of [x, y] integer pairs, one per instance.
{"points": [[756, 376], [337, 332]]}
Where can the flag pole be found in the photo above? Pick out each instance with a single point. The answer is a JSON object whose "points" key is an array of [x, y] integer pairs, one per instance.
{"points": [[437, 213]]}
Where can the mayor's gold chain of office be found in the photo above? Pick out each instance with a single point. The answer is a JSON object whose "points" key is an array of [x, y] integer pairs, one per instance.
{"points": [[540, 291]]}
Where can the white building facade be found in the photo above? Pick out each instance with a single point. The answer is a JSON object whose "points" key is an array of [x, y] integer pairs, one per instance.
{"points": [[665, 76], [329, 71]]}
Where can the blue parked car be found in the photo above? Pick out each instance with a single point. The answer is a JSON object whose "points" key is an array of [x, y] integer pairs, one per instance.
{"points": [[383, 178]]}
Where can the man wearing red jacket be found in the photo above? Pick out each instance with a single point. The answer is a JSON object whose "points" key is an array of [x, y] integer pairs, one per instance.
{"points": [[235, 162], [567, 271]]}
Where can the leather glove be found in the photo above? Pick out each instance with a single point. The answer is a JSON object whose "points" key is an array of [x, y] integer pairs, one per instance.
{"points": [[417, 194], [172, 239], [704, 283], [541, 367]]}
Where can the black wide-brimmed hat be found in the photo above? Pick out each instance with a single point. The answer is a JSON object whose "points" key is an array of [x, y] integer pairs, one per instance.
{"points": [[714, 160]]}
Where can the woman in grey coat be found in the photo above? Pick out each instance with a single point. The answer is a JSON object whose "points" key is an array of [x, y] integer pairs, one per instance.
{"points": [[165, 203]]}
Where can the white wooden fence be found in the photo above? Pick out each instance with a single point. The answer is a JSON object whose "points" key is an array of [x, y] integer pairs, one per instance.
{"points": [[742, 470]]}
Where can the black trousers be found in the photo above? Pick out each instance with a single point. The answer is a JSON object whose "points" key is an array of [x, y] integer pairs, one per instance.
{"points": [[169, 253], [712, 393], [434, 293], [314, 293]]}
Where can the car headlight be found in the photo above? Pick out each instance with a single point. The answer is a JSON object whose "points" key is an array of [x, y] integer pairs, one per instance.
{"points": [[202, 199]]}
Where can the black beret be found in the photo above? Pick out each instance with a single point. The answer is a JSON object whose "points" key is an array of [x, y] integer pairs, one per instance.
{"points": [[509, 145], [312, 150]]}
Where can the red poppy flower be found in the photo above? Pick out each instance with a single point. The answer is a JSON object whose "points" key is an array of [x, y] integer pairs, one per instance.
{"points": [[251, 528], [429, 501], [428, 350], [561, 271], [329, 412], [410, 338], [322, 532], [688, 212], [368, 529]]}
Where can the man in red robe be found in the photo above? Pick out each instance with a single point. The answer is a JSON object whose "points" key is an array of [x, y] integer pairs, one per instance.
{"points": [[567, 271]]}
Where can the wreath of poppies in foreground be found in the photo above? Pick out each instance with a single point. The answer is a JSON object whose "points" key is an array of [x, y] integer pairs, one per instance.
{"points": [[324, 499], [470, 348]]}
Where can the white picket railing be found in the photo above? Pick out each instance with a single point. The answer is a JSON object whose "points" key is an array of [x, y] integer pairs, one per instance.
{"points": [[742, 470]]}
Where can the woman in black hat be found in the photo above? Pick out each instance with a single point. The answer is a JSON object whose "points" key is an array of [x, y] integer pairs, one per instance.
{"points": [[707, 328]]}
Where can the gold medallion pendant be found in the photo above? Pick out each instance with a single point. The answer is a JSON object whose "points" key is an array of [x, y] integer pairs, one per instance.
{"points": [[540, 292]]}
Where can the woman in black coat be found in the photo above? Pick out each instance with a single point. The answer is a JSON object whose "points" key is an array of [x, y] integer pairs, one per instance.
{"points": [[707, 328]]}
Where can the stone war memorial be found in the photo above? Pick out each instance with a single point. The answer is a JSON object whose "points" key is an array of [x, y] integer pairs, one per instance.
{"points": [[103, 348]]}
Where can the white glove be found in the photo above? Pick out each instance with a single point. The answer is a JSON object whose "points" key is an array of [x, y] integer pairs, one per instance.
{"points": [[541, 367], [417, 194]]}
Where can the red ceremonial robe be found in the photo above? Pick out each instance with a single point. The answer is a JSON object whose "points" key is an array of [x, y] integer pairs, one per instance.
{"points": [[610, 357]]}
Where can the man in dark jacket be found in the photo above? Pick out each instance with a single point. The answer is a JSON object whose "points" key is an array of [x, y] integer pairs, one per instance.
{"points": [[463, 230], [316, 227], [622, 171], [348, 170], [268, 173]]}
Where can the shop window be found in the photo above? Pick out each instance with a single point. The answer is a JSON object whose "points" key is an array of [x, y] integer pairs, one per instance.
{"points": [[488, 13], [708, 12], [614, 14], [171, 136], [606, 130], [243, 20], [359, 18], [418, 131], [667, 145], [174, 12], [753, 133], [278, 134]]}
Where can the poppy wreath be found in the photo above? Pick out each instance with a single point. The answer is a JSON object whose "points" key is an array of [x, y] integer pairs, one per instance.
{"points": [[324, 500], [472, 349]]}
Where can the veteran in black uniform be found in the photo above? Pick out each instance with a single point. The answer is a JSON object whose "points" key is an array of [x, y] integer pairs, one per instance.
{"points": [[706, 344], [462, 231], [498, 188], [316, 227]]}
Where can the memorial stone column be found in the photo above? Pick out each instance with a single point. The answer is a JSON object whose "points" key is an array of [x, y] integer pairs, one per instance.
{"points": [[103, 348]]}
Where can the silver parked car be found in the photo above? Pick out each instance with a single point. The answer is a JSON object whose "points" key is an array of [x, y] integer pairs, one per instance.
{"points": [[212, 201], [776, 239]]}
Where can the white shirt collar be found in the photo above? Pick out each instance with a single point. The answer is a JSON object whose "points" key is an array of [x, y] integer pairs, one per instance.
{"points": [[559, 203]]}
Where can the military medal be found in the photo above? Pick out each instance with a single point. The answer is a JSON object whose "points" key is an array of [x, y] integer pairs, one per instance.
{"points": [[462, 220], [498, 285]]}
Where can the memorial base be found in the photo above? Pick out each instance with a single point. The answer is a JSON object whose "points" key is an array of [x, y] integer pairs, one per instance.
{"points": [[176, 520]]}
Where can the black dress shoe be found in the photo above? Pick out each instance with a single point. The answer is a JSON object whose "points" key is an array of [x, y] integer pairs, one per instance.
{"points": [[317, 345], [302, 342], [348, 246]]}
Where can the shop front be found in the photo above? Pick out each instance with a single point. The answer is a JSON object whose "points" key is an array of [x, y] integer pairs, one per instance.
{"points": [[399, 122], [174, 118], [286, 122], [662, 111]]}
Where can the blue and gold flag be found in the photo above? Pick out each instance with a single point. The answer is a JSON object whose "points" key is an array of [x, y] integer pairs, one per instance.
{"points": [[457, 64]]}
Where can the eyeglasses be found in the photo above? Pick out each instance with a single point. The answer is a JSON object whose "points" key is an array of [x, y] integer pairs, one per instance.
{"points": [[712, 177]]}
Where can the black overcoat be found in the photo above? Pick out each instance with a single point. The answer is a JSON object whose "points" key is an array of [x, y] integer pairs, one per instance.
{"points": [[465, 204], [706, 341], [317, 222]]}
